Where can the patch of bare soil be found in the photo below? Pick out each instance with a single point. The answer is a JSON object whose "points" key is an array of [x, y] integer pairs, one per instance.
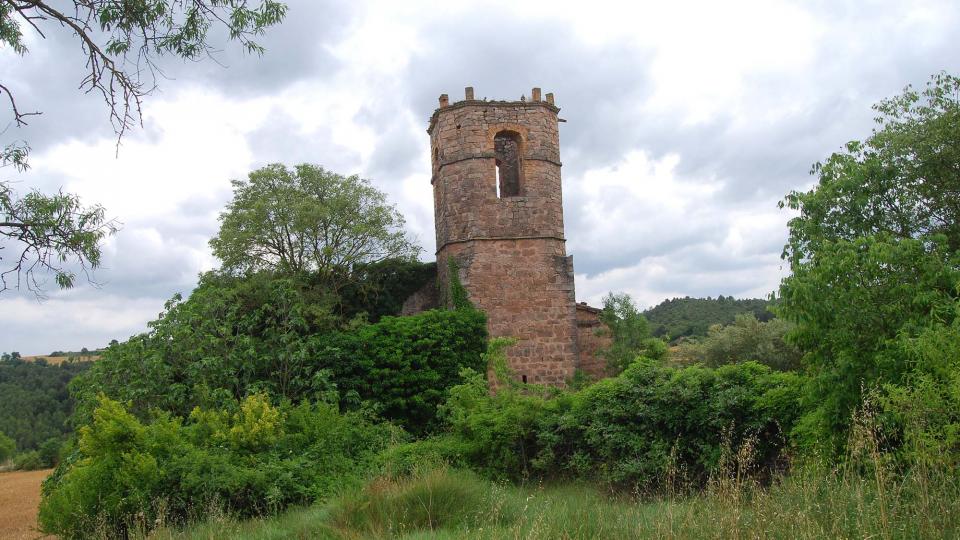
{"points": [[19, 500]]}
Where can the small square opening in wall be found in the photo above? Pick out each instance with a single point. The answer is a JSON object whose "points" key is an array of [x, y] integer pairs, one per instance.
{"points": [[524, 379]]}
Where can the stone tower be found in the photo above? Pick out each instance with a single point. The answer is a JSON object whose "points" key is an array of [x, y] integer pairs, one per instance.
{"points": [[499, 214]]}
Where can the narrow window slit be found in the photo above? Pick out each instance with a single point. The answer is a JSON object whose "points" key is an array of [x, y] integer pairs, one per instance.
{"points": [[506, 147]]}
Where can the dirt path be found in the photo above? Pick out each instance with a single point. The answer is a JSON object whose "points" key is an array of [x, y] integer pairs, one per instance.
{"points": [[19, 499]]}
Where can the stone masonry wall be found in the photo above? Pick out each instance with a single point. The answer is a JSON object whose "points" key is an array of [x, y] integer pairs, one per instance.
{"points": [[510, 249], [526, 289]]}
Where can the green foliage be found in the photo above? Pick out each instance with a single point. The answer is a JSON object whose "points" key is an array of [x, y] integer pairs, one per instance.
{"points": [[746, 340], [48, 231], [882, 292], [632, 431], [35, 403], [232, 337], [628, 330], [900, 183], [120, 42], [309, 220], [406, 364], [875, 261], [8, 447], [436, 499], [458, 294], [637, 429], [49, 452], [29, 461], [693, 317], [264, 333], [923, 410], [448, 504], [497, 433], [424, 454], [380, 289], [248, 459]]}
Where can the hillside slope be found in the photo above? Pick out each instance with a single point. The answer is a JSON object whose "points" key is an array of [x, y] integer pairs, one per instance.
{"points": [[691, 317]]}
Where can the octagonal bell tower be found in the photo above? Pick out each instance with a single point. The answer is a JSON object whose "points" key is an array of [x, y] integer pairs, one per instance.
{"points": [[499, 214]]}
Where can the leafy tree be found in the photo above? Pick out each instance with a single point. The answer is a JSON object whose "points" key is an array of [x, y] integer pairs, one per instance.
{"points": [[874, 255], [629, 333], [46, 231], [747, 339], [121, 41], [379, 289], [7, 447], [902, 182], [309, 220]]}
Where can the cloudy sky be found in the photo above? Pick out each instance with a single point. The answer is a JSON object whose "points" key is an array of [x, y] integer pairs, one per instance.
{"points": [[686, 123]]}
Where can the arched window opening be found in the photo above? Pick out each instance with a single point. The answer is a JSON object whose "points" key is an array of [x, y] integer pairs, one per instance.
{"points": [[506, 147]]}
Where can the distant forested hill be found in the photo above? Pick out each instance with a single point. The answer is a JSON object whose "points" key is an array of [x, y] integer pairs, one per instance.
{"points": [[685, 317], [34, 402]]}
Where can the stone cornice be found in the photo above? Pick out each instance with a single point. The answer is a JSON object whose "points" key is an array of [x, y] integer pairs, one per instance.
{"points": [[495, 238]]}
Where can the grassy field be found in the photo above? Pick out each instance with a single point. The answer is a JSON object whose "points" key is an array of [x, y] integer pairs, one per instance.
{"points": [[19, 498], [57, 360], [449, 504]]}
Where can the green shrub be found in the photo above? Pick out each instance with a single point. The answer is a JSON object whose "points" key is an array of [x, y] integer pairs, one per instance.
{"points": [[632, 431], [922, 413], [498, 431], [28, 461], [275, 335], [406, 364], [7, 447], [49, 452], [746, 340], [417, 456], [628, 330], [653, 421], [250, 459], [433, 500]]}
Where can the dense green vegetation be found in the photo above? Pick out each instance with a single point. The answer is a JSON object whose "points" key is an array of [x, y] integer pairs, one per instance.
{"points": [[634, 432], [35, 407], [875, 264], [451, 504], [692, 317], [840, 418], [277, 335], [629, 332], [248, 458], [746, 340]]}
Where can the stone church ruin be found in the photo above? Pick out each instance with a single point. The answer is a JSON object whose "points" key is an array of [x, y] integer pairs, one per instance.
{"points": [[498, 212]]}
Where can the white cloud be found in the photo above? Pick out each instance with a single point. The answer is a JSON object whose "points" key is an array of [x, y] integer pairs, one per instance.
{"points": [[688, 121]]}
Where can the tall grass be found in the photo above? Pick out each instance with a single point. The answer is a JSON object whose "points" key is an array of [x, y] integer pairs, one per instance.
{"points": [[871, 494], [447, 503]]}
